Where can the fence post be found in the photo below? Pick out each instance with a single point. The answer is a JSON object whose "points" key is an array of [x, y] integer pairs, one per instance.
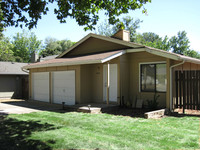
{"points": [[183, 80], [176, 79]]}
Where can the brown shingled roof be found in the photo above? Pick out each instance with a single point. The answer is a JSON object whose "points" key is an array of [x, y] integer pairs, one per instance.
{"points": [[89, 59]]}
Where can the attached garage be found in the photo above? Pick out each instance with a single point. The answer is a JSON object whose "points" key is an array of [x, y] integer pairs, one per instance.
{"points": [[55, 87], [63, 87], [40, 86]]}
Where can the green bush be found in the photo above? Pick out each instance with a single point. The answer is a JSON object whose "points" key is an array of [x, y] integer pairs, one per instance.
{"points": [[153, 104]]}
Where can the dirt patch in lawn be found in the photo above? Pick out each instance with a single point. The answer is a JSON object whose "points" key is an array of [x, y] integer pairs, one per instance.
{"points": [[133, 112], [188, 112]]}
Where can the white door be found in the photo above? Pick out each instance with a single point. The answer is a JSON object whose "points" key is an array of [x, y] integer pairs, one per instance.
{"points": [[40, 86], [113, 82], [63, 87]]}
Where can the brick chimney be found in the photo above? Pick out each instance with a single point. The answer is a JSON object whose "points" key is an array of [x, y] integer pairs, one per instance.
{"points": [[34, 57], [122, 35]]}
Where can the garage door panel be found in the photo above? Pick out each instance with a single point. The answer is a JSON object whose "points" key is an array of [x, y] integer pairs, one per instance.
{"points": [[60, 83], [63, 89], [40, 86]]}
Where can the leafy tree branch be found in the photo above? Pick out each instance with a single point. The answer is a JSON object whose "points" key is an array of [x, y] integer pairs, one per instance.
{"points": [[85, 12]]}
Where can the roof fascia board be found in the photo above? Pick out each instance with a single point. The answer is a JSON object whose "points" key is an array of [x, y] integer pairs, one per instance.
{"points": [[192, 60], [172, 55], [163, 54], [117, 41], [113, 56], [135, 50], [13, 74], [63, 64], [155, 52]]}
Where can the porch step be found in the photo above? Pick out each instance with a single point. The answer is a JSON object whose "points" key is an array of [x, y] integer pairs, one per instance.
{"points": [[92, 110], [156, 114]]}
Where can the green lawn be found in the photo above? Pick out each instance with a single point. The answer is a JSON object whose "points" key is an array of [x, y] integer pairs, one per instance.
{"points": [[50, 130]]}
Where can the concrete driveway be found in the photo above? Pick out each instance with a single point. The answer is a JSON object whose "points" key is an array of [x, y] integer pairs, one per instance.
{"points": [[14, 106]]}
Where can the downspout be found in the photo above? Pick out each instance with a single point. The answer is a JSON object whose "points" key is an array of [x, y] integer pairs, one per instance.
{"points": [[108, 83], [171, 67]]}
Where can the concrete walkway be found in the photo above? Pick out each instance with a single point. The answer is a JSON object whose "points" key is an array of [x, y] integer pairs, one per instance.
{"points": [[21, 106]]}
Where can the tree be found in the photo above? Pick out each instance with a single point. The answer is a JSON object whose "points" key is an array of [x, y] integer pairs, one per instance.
{"points": [[180, 43], [1, 24], [65, 44], [192, 53], [85, 12], [6, 53], [153, 40], [127, 23], [51, 47], [24, 45], [55, 47]]}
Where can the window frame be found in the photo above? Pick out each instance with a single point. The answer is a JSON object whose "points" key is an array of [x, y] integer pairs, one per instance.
{"points": [[140, 78]]}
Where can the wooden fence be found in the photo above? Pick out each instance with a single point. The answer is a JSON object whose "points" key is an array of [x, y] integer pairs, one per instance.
{"points": [[187, 90]]}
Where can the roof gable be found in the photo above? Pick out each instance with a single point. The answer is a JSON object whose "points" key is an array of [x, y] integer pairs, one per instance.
{"points": [[93, 46], [93, 43]]}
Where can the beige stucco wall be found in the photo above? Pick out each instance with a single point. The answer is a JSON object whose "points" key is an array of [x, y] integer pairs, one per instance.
{"points": [[186, 66], [125, 78], [134, 91], [86, 83], [97, 83], [92, 82]]}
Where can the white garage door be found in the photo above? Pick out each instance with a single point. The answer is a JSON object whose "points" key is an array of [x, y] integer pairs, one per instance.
{"points": [[63, 87], [40, 86]]}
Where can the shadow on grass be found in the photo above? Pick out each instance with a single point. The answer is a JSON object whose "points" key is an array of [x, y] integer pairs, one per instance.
{"points": [[123, 111], [14, 134], [139, 113], [44, 106]]}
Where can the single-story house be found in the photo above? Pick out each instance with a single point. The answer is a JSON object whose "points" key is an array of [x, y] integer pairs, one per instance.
{"points": [[13, 81], [100, 69]]}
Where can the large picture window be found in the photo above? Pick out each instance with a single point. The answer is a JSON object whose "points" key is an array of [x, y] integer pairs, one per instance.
{"points": [[153, 77]]}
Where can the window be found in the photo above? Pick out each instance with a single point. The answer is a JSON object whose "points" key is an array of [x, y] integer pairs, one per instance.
{"points": [[153, 77]]}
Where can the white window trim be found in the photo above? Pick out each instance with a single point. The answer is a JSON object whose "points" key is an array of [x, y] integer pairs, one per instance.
{"points": [[142, 63]]}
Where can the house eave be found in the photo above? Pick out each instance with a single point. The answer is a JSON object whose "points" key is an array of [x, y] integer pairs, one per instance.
{"points": [[21, 74], [135, 50], [82, 62], [62, 64], [172, 56], [165, 54], [113, 56]]}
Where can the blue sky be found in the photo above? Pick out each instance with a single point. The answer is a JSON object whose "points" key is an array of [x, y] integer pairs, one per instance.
{"points": [[165, 17]]}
